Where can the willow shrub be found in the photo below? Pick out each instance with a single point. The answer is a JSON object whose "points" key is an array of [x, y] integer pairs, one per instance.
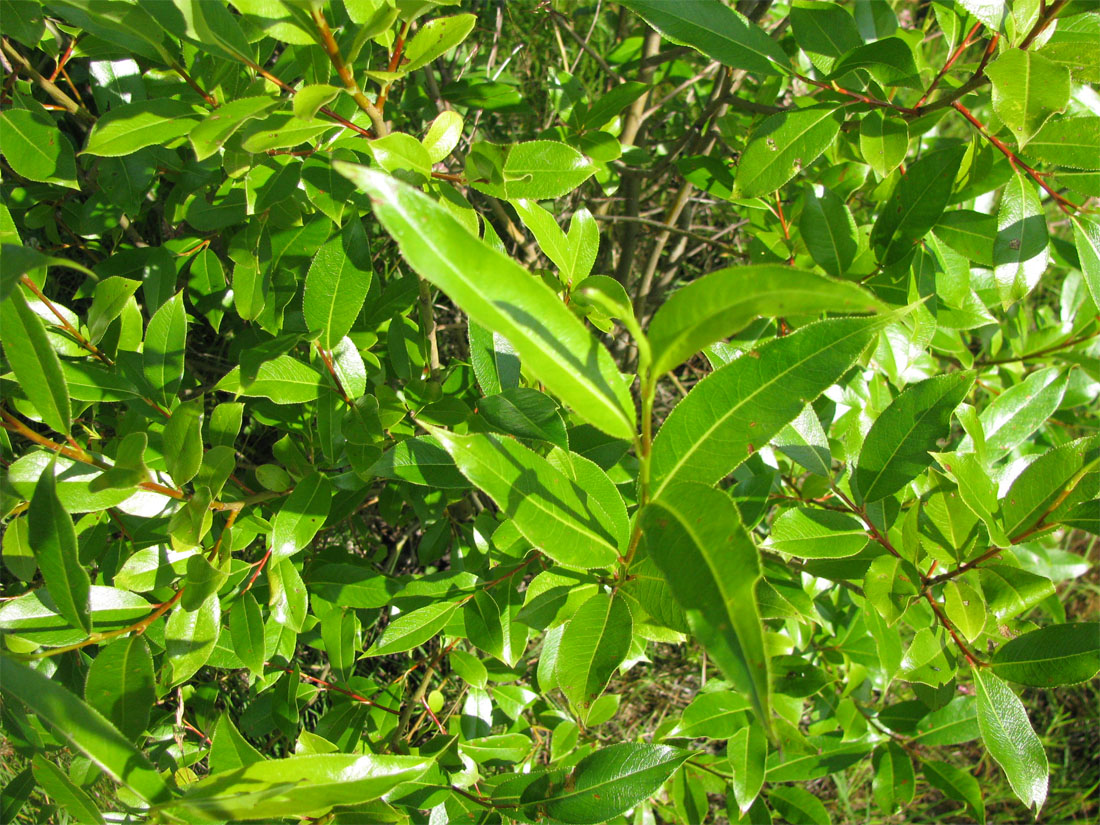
{"points": [[319, 502]]}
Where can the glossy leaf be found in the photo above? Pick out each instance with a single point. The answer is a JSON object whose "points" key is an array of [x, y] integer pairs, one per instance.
{"points": [[895, 783], [594, 644], [435, 38], [883, 141], [1021, 249], [694, 535], [246, 629], [829, 231], [1086, 234], [84, 729], [916, 204], [1011, 740], [34, 362], [36, 148], [190, 636], [1059, 654], [896, 449], [163, 354], [337, 283], [307, 785], [746, 751], [738, 408], [798, 805], [525, 413], [301, 516], [552, 343], [120, 684], [817, 534], [1069, 141], [127, 129], [413, 629], [783, 145], [1047, 486], [183, 441], [955, 784], [1027, 90], [563, 519], [51, 535], [717, 31], [612, 780], [285, 380]]}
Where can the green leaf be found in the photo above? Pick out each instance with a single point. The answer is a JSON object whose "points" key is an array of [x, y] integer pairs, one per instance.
{"points": [[888, 60], [443, 135], [246, 629], [740, 407], [435, 38], [811, 533], [896, 448], [183, 441], [310, 98], [971, 234], [228, 749], [209, 135], [1011, 740], [1021, 250], [782, 145], [423, 461], [298, 786], [965, 607], [52, 536], [1009, 591], [536, 169], [1027, 90], [282, 130], [399, 152], [337, 283], [747, 751], [612, 780], [916, 203], [120, 684], [804, 441], [797, 805], [499, 294], [190, 636], [576, 526], [413, 629], [716, 714], [110, 297], [573, 254], [165, 347], [829, 231], [285, 380], [719, 304], [34, 362], [1060, 654], [825, 32], [36, 148], [895, 783], [84, 729], [955, 784], [1019, 411], [1086, 235], [57, 785], [525, 413], [717, 31], [16, 792], [594, 644], [694, 535], [133, 126], [1047, 486], [301, 516], [1068, 141]]}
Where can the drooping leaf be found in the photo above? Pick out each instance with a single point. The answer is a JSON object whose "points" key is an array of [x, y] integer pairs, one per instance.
{"points": [[52, 536], [955, 784], [895, 783], [301, 516], [798, 805], [413, 629], [190, 636], [896, 448], [829, 230], [36, 148], [694, 535], [738, 408], [499, 294], [34, 362], [746, 751], [165, 346], [1011, 740]]}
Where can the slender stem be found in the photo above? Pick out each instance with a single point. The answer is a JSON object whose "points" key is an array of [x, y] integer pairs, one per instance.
{"points": [[70, 105], [210, 101], [1064, 204], [1038, 353], [336, 688], [426, 312], [328, 43], [68, 327], [950, 62]]}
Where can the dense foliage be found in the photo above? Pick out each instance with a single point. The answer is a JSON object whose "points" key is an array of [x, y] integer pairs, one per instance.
{"points": [[520, 411]]}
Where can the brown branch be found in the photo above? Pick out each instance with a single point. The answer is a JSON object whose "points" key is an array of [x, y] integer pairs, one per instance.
{"points": [[68, 327], [328, 42], [70, 105]]}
